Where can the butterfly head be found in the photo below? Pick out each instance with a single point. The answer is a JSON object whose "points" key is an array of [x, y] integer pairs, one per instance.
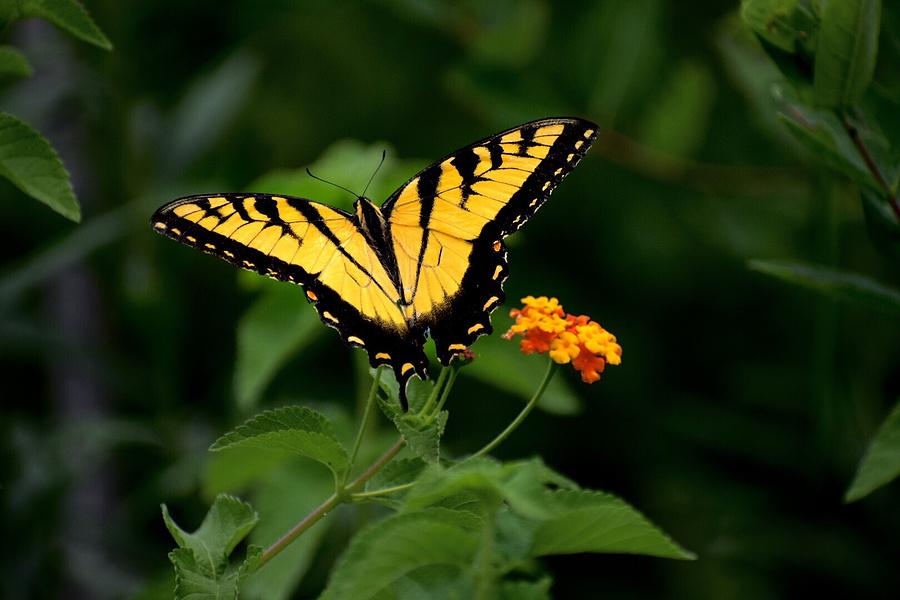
{"points": [[370, 218]]}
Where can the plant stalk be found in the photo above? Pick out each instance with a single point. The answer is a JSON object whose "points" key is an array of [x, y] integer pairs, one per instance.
{"points": [[337, 498], [370, 400], [548, 375], [853, 132]]}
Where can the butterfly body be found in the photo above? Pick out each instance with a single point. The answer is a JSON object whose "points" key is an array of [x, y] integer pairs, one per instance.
{"points": [[430, 260]]}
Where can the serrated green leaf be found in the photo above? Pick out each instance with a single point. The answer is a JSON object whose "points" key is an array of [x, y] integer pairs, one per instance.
{"points": [[68, 15], [272, 330], [32, 165], [881, 462], [13, 63], [479, 486], [399, 545], [846, 51], [423, 435], [417, 392], [250, 562], [421, 432], [435, 582], [192, 582], [842, 285], [526, 590], [228, 521], [294, 429], [470, 486], [587, 521], [399, 471], [514, 537]]}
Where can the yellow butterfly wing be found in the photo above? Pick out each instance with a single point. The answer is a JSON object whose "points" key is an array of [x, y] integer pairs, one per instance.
{"points": [[447, 224], [311, 244]]}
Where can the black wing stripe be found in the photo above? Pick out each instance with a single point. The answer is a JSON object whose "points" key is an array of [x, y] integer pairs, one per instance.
{"points": [[312, 214], [426, 189]]}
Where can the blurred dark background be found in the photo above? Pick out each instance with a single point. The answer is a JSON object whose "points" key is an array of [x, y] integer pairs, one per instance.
{"points": [[735, 421]]}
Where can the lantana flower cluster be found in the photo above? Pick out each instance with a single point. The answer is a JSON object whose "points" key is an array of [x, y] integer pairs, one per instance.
{"points": [[546, 328]]}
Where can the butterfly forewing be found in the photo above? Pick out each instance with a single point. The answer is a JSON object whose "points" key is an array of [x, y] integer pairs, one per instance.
{"points": [[447, 223], [311, 244]]}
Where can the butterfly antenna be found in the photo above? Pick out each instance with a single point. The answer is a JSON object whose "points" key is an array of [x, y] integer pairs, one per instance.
{"points": [[378, 168], [310, 173]]}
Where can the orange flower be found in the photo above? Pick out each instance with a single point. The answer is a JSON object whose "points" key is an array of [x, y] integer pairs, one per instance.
{"points": [[545, 327]]}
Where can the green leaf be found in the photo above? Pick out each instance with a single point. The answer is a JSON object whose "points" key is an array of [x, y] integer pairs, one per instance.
{"points": [[822, 133], [479, 485], [13, 63], [421, 432], [282, 499], [881, 462], [842, 285], [201, 559], [587, 521], [228, 521], [400, 545], [68, 15], [399, 471], [272, 330], [32, 165], [193, 583], [846, 51], [773, 20], [526, 590], [471, 486], [499, 363], [294, 429]]}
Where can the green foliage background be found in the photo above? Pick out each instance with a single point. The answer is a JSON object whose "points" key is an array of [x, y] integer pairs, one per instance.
{"points": [[735, 423]]}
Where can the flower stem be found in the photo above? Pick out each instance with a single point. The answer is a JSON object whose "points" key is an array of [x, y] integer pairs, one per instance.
{"points": [[548, 375], [454, 371], [429, 404], [338, 497], [374, 467], [308, 521], [383, 491], [370, 400]]}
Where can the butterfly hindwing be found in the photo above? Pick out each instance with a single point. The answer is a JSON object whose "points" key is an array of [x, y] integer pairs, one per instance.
{"points": [[311, 244], [448, 222]]}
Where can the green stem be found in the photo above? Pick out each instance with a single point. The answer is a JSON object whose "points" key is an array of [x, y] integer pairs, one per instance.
{"points": [[339, 497], [308, 521], [551, 369], [370, 400], [382, 492], [374, 467], [454, 371], [429, 404]]}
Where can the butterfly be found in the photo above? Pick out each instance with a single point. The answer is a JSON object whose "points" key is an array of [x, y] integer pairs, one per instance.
{"points": [[429, 261]]}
